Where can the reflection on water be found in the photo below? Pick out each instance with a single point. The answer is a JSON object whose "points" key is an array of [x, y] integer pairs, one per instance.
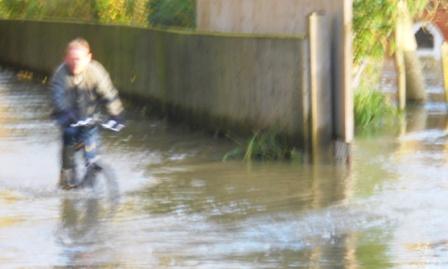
{"points": [[181, 207], [78, 232]]}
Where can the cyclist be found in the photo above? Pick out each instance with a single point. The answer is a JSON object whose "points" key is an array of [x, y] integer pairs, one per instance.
{"points": [[79, 87]]}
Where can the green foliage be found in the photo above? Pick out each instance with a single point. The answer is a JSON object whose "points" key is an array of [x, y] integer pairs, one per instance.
{"points": [[236, 153], [371, 107], [264, 146], [374, 24], [41, 9], [104, 11], [132, 12], [21, 9], [179, 13], [112, 11], [3, 13]]}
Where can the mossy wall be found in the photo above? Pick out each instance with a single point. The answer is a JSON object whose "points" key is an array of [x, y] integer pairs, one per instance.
{"points": [[239, 82]]}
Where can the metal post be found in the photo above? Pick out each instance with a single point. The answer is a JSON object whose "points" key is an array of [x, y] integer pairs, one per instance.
{"points": [[320, 85], [445, 69]]}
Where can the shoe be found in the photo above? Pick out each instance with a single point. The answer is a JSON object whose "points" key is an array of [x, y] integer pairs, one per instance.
{"points": [[67, 179]]}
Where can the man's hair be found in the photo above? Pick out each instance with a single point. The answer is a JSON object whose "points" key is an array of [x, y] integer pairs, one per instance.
{"points": [[78, 42]]}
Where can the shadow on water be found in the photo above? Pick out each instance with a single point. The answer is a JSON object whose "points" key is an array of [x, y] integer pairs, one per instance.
{"points": [[181, 207]]}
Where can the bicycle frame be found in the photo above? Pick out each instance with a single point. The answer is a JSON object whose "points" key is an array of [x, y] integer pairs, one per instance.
{"points": [[91, 170]]}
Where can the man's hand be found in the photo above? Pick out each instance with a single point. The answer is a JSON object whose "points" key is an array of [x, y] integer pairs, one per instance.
{"points": [[114, 123]]}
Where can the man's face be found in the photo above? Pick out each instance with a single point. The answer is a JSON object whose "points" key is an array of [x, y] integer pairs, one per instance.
{"points": [[77, 59]]}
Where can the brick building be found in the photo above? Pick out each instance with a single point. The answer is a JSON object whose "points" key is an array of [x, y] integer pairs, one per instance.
{"points": [[431, 31]]}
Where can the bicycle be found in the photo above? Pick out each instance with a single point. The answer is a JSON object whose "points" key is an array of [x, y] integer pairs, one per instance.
{"points": [[97, 175]]}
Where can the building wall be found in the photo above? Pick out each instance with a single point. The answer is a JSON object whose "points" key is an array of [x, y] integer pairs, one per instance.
{"points": [[434, 24], [290, 17], [221, 81], [261, 16], [440, 18]]}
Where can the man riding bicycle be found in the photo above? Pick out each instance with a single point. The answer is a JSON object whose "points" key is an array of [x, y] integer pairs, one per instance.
{"points": [[79, 86]]}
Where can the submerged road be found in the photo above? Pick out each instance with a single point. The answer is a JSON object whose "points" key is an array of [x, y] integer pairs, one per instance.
{"points": [[182, 207]]}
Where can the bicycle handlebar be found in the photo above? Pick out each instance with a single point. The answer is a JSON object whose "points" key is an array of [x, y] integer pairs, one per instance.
{"points": [[84, 123], [110, 125]]}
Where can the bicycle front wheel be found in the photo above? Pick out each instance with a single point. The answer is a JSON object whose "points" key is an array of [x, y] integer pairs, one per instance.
{"points": [[101, 178]]}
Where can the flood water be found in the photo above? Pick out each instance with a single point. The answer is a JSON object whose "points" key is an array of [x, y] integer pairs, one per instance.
{"points": [[182, 207]]}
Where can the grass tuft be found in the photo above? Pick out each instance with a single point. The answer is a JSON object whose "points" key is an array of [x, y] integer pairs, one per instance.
{"points": [[372, 108], [266, 145]]}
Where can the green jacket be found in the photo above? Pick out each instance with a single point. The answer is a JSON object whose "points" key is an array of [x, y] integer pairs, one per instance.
{"points": [[80, 95]]}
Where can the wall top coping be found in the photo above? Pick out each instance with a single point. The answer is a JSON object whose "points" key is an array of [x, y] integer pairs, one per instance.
{"points": [[172, 30]]}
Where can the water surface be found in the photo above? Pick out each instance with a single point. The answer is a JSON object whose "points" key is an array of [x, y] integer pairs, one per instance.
{"points": [[182, 207]]}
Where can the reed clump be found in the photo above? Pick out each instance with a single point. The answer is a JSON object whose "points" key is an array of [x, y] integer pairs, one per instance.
{"points": [[265, 145], [372, 108]]}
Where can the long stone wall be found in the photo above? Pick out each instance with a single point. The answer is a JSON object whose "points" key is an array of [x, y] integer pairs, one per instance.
{"points": [[221, 81]]}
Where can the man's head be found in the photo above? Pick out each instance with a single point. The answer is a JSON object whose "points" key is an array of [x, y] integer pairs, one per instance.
{"points": [[77, 55]]}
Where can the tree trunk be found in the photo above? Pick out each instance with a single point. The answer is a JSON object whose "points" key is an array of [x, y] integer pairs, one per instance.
{"points": [[405, 40], [414, 78], [401, 79]]}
